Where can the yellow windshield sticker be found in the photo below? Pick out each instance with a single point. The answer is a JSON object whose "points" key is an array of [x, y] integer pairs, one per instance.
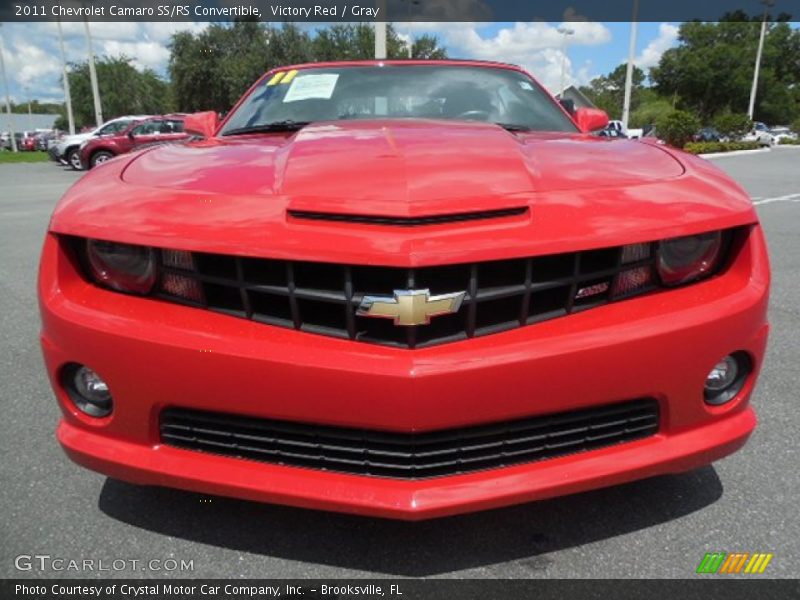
{"points": [[289, 76], [276, 78]]}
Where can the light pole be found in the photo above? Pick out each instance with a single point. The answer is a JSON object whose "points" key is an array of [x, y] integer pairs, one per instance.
{"points": [[626, 104], [751, 109], [566, 33], [8, 99], [65, 75], [98, 110], [30, 112], [380, 31]]}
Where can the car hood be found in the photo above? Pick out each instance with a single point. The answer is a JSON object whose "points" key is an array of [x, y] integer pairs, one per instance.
{"points": [[237, 195], [401, 168], [71, 140]]}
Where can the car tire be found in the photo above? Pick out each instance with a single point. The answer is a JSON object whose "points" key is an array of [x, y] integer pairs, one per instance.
{"points": [[74, 159], [100, 157]]}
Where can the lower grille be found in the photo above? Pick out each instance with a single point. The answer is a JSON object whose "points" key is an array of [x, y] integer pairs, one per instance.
{"points": [[409, 455]]}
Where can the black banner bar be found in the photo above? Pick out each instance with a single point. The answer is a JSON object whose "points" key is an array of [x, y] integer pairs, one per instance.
{"points": [[392, 10], [712, 588]]}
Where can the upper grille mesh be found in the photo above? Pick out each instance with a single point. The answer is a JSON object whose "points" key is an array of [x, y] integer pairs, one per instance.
{"points": [[322, 298]]}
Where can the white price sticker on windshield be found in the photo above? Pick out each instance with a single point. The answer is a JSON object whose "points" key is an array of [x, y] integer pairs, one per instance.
{"points": [[307, 86]]}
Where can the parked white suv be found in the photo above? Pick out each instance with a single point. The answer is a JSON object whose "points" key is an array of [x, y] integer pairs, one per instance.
{"points": [[782, 133], [761, 134]]}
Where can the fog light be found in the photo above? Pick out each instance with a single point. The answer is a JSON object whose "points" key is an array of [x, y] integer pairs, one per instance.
{"points": [[722, 375], [87, 390], [726, 379]]}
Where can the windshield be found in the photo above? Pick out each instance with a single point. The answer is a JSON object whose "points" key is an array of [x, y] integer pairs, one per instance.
{"points": [[461, 93], [113, 127]]}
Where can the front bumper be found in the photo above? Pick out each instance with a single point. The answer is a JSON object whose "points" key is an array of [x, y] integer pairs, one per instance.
{"points": [[156, 355], [56, 153]]}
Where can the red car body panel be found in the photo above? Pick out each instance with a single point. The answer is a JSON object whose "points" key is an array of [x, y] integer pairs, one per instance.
{"points": [[202, 191], [231, 196]]}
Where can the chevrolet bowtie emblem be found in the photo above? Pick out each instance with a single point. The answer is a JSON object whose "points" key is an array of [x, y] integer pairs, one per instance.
{"points": [[410, 307]]}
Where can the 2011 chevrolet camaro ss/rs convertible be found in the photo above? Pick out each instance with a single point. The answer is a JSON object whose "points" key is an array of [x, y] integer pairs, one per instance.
{"points": [[403, 289]]}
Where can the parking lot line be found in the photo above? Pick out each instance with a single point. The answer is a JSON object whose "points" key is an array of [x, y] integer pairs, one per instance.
{"points": [[787, 198]]}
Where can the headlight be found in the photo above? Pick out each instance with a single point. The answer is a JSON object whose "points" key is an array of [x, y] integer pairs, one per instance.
{"points": [[685, 259], [122, 267]]}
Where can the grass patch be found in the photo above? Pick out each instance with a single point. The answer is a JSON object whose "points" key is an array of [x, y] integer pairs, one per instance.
{"points": [[715, 147], [8, 157]]}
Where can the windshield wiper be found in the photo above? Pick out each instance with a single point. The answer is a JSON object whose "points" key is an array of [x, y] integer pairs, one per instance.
{"points": [[287, 125], [513, 127]]}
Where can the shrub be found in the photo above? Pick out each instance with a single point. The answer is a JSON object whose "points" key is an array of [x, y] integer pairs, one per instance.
{"points": [[649, 112], [677, 127], [733, 125], [788, 142], [796, 125], [713, 147]]}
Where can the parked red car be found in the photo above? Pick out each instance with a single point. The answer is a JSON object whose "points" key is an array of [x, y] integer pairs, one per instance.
{"points": [[27, 142], [149, 132], [406, 289]]}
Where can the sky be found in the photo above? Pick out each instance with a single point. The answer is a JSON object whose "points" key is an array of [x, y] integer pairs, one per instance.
{"points": [[33, 63]]}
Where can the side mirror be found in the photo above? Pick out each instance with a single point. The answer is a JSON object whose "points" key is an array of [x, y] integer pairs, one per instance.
{"points": [[130, 135], [203, 124], [591, 119]]}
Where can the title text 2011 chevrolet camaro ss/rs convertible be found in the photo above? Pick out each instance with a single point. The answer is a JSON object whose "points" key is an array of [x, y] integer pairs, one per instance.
{"points": [[404, 289]]}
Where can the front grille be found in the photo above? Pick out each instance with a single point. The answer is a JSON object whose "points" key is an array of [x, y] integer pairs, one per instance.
{"points": [[410, 221], [409, 455], [323, 298]]}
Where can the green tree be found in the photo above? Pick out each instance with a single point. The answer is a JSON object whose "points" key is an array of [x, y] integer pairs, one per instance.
{"points": [[212, 69], [346, 42], [37, 107], [289, 45], [711, 69], [677, 128], [427, 47], [733, 125], [357, 42], [608, 91], [650, 109], [124, 90]]}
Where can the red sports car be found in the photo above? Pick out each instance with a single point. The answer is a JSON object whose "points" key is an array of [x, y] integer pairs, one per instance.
{"points": [[139, 134], [404, 289]]}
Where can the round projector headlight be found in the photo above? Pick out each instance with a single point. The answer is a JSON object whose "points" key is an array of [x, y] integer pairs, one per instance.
{"points": [[685, 259], [122, 267]]}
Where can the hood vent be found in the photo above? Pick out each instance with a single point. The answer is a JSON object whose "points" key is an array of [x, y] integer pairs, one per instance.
{"points": [[409, 221]]}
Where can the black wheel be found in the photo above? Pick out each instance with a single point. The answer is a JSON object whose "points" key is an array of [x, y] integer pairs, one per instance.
{"points": [[100, 157], [74, 159]]}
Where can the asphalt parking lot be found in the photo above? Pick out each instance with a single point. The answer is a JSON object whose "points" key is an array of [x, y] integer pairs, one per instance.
{"points": [[655, 528]]}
